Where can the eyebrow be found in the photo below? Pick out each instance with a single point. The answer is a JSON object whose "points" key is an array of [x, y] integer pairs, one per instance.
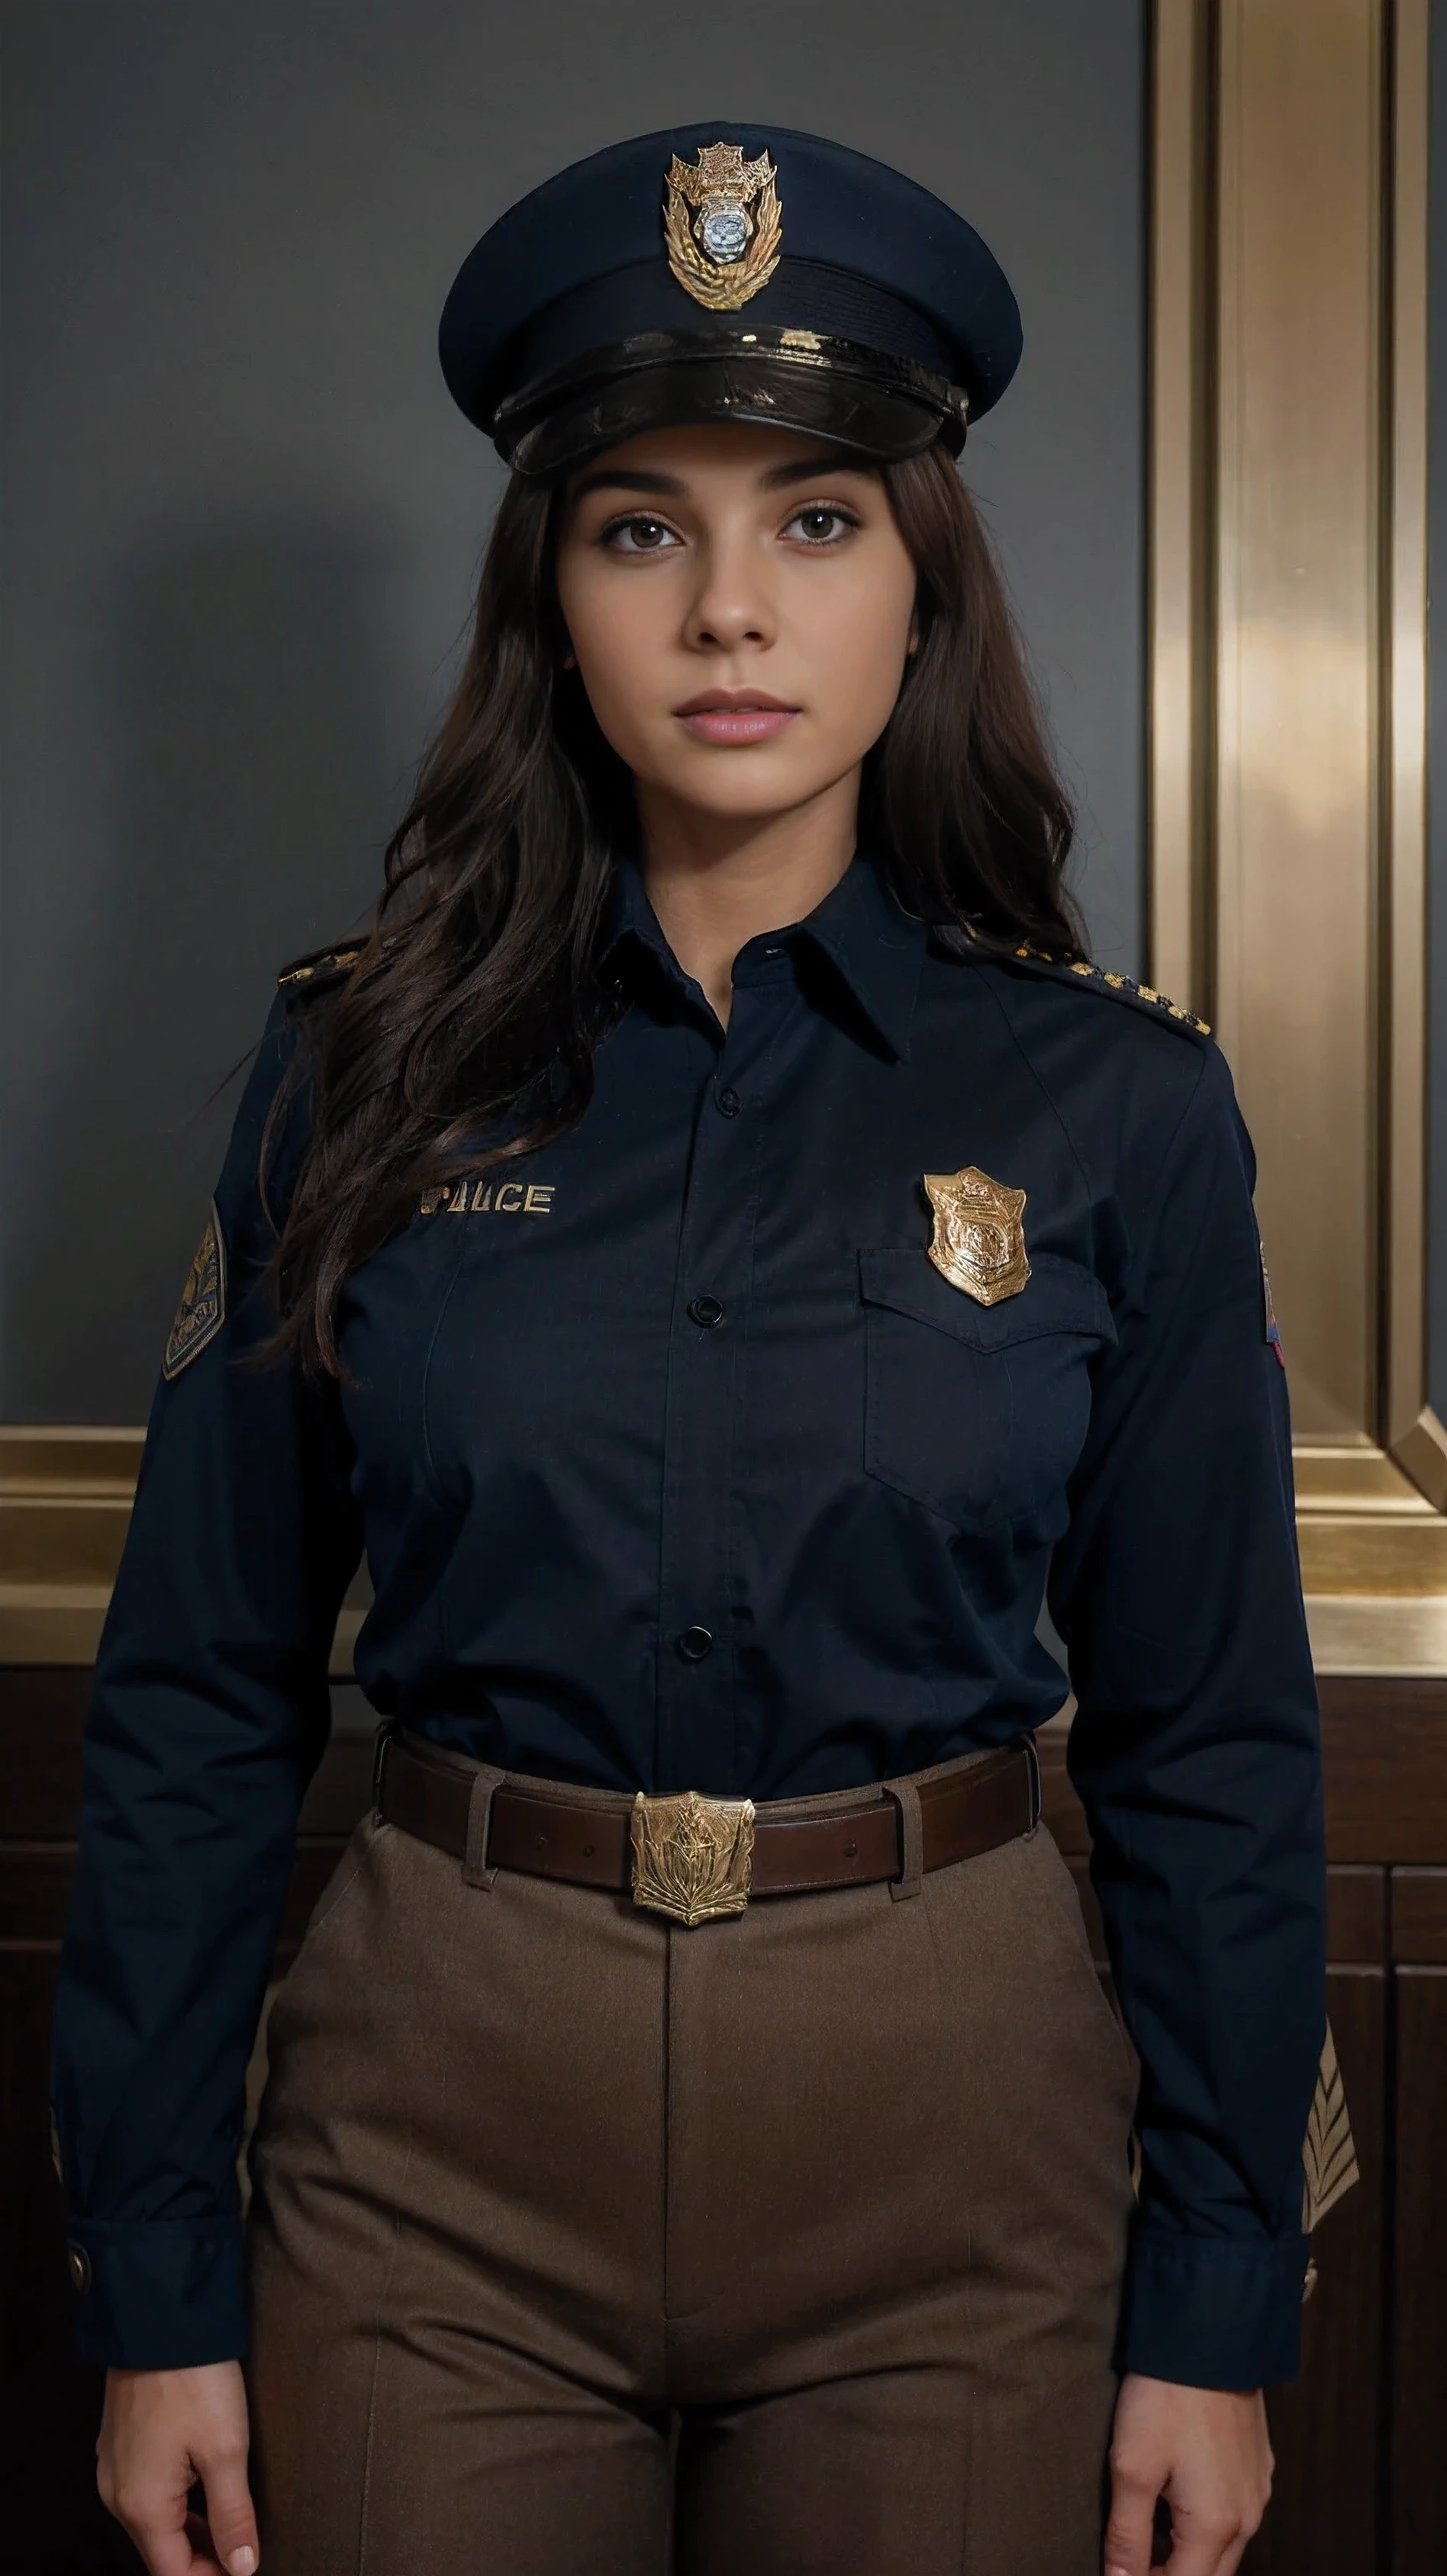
{"points": [[624, 478]]}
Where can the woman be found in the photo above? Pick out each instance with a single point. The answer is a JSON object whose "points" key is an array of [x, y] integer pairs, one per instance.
{"points": [[714, 1242]]}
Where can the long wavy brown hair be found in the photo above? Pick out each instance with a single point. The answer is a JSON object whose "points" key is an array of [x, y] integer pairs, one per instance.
{"points": [[474, 1004]]}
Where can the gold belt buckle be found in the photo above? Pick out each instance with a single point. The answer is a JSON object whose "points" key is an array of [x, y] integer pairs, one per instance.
{"points": [[692, 1856]]}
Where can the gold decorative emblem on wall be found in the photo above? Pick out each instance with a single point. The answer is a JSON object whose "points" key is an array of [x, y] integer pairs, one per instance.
{"points": [[979, 1234], [692, 1856], [722, 224], [202, 1310]]}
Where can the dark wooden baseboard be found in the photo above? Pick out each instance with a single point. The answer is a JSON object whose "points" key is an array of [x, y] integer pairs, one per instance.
{"points": [[1361, 2479]]}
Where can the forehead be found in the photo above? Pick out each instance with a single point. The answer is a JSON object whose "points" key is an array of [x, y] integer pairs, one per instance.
{"points": [[699, 453]]}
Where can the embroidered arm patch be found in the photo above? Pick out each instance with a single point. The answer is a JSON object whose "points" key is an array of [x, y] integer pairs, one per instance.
{"points": [[202, 1310]]}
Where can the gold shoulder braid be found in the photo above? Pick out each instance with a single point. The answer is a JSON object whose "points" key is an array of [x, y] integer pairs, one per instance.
{"points": [[1125, 984], [318, 962], [202, 1310], [1124, 987]]}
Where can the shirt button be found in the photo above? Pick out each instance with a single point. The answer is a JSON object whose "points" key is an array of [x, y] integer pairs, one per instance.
{"points": [[77, 2263], [707, 1311], [694, 1644], [729, 1104]]}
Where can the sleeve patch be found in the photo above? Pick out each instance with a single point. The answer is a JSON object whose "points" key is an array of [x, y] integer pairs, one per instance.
{"points": [[202, 1310]]}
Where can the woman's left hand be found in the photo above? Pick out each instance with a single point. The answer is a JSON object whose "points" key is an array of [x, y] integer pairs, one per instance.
{"points": [[1208, 2453]]}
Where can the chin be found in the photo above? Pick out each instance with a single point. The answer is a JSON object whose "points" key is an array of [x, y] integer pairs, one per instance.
{"points": [[742, 784]]}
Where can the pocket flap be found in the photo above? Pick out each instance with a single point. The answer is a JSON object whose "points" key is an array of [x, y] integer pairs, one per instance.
{"points": [[1059, 1296]]}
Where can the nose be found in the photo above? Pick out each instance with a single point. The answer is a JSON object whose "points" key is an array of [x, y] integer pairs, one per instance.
{"points": [[731, 607]]}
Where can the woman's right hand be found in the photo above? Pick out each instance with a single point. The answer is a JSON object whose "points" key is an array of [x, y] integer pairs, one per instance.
{"points": [[160, 2432]]}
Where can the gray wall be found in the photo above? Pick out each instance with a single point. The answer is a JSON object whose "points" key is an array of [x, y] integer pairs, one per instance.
{"points": [[244, 519]]}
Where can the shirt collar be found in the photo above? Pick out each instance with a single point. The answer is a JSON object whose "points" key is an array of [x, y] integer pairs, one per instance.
{"points": [[875, 948]]}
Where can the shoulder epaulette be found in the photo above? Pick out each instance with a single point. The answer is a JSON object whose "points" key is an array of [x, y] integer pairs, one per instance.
{"points": [[1124, 987], [319, 961]]}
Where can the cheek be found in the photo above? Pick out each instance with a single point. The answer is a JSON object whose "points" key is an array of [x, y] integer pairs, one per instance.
{"points": [[619, 637], [855, 643]]}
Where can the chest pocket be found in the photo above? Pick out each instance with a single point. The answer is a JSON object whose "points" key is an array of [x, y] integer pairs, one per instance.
{"points": [[978, 1411]]}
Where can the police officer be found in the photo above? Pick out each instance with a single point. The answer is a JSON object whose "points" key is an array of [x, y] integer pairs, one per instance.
{"points": [[713, 1243]]}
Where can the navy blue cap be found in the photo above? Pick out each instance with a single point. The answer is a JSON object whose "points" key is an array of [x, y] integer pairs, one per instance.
{"points": [[727, 272]]}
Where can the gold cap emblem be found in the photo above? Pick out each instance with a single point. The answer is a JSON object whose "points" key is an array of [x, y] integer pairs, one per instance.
{"points": [[727, 246], [979, 1237]]}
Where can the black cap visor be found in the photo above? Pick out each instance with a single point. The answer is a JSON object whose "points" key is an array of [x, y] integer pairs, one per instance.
{"points": [[801, 380]]}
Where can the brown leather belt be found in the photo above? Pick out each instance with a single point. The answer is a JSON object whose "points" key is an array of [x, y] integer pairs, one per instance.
{"points": [[694, 1857]]}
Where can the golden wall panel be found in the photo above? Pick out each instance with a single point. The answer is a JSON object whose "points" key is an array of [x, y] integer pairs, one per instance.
{"points": [[1411, 1429], [1180, 451], [1299, 466], [1288, 779]]}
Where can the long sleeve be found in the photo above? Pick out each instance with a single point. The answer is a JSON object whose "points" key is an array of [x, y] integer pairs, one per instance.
{"points": [[1196, 1754], [208, 1716]]}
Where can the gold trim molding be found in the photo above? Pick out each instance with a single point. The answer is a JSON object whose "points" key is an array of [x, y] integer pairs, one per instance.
{"points": [[1287, 717], [65, 1504], [1374, 1553]]}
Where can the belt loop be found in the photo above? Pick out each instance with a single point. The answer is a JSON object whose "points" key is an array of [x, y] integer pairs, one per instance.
{"points": [[911, 1835], [475, 1872], [1037, 1795], [385, 1733]]}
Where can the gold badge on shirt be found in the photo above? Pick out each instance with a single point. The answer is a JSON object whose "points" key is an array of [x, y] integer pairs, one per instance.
{"points": [[202, 1310], [979, 1236]]}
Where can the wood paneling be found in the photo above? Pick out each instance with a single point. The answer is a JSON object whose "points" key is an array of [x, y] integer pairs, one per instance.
{"points": [[1386, 1778], [42, 1716], [1419, 2276], [1419, 1916]]}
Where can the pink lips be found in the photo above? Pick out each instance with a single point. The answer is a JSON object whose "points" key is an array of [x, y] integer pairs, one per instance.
{"points": [[735, 715]]}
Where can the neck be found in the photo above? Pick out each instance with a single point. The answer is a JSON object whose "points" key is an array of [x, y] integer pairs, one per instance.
{"points": [[716, 881]]}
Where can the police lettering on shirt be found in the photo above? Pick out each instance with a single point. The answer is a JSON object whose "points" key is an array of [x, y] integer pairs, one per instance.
{"points": [[491, 1198]]}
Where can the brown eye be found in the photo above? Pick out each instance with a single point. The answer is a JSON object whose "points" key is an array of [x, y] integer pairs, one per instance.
{"points": [[822, 523], [639, 536]]}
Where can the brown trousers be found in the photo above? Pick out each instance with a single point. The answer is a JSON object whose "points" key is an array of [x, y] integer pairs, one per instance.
{"points": [[834, 2192]]}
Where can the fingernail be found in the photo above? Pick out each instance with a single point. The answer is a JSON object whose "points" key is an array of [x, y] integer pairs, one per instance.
{"points": [[243, 2562]]}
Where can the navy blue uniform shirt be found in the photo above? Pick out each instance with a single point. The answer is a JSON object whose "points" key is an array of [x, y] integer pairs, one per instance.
{"points": [[677, 1464]]}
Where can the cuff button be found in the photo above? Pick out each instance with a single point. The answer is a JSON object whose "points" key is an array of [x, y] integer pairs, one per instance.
{"points": [[77, 2263]]}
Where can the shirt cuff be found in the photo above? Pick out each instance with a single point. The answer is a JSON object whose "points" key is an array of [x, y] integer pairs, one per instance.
{"points": [[1212, 2311], [157, 2294]]}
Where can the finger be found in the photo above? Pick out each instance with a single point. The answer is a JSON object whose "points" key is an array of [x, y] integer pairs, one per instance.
{"points": [[1206, 2545], [1132, 2512], [204, 2561], [229, 2510], [158, 2529]]}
